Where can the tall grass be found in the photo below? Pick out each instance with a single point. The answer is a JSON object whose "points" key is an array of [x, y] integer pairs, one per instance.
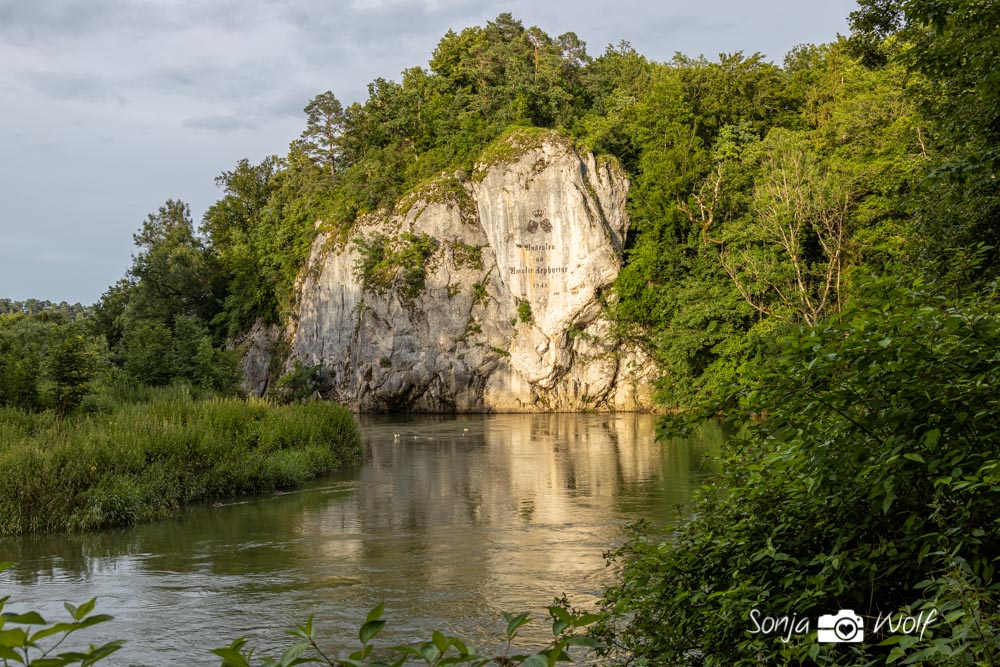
{"points": [[119, 462]]}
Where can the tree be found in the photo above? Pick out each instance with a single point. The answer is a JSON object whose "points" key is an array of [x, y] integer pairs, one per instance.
{"points": [[868, 480], [953, 47], [148, 352], [173, 271], [22, 345], [72, 362], [788, 260], [324, 127]]}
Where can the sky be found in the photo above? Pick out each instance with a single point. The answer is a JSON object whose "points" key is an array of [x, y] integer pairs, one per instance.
{"points": [[110, 107]]}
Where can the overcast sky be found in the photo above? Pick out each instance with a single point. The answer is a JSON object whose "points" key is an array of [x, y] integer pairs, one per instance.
{"points": [[110, 107]]}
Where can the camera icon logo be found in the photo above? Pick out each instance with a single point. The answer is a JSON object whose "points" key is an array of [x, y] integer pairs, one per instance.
{"points": [[843, 627]]}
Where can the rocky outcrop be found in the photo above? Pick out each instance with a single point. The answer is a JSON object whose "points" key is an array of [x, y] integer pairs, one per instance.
{"points": [[478, 294]]}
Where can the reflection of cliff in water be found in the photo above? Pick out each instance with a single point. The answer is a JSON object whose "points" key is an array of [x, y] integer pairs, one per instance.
{"points": [[544, 468], [449, 521], [489, 512]]}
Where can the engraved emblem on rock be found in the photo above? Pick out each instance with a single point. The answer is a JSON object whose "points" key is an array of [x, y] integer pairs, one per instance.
{"points": [[538, 219]]}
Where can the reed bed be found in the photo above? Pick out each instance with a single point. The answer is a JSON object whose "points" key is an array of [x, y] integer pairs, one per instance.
{"points": [[125, 462]]}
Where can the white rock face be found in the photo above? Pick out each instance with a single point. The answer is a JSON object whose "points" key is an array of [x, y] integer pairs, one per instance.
{"points": [[509, 314]]}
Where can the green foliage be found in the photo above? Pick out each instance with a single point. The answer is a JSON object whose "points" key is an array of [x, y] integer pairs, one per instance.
{"points": [[23, 636], [748, 218], [439, 650], [324, 125], [867, 479], [68, 311], [47, 362], [24, 646], [73, 360], [22, 345], [466, 255], [953, 50], [511, 145], [173, 273], [399, 263], [524, 312], [129, 462], [302, 383]]}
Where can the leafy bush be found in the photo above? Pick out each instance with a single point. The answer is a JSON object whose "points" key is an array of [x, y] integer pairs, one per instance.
{"points": [[399, 263], [524, 312], [866, 477], [303, 382]]}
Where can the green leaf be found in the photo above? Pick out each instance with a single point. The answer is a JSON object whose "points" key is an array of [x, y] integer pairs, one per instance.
{"points": [[515, 622], [583, 640], [292, 655], [887, 501], [376, 612], [370, 630], [54, 630], [8, 653], [362, 653], [231, 657], [94, 620], [85, 608], [305, 631], [561, 613], [429, 653], [584, 620], [27, 618], [440, 641], [15, 637]]}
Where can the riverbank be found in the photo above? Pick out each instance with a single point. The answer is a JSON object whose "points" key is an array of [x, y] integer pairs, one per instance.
{"points": [[134, 462]]}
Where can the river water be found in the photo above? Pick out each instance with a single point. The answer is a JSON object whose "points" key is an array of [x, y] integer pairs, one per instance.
{"points": [[449, 521]]}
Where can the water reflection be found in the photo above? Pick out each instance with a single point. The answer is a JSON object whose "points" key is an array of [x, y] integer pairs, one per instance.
{"points": [[449, 521]]}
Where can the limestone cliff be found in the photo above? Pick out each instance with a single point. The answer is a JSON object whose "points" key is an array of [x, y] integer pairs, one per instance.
{"points": [[476, 294]]}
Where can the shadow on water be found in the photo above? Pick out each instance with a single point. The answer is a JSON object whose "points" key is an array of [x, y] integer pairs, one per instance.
{"points": [[449, 521]]}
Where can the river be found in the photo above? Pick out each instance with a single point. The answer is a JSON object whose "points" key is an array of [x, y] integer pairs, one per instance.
{"points": [[449, 521]]}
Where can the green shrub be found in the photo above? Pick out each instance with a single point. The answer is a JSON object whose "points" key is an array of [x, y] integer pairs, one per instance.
{"points": [[399, 263], [866, 477], [524, 312]]}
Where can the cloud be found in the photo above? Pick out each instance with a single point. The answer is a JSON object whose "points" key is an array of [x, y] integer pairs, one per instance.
{"points": [[221, 124], [64, 85], [27, 21]]}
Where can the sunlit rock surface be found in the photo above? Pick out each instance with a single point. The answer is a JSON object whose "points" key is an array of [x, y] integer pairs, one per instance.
{"points": [[509, 317]]}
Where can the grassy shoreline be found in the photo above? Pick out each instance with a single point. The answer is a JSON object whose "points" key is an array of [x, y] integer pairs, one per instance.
{"points": [[133, 462]]}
